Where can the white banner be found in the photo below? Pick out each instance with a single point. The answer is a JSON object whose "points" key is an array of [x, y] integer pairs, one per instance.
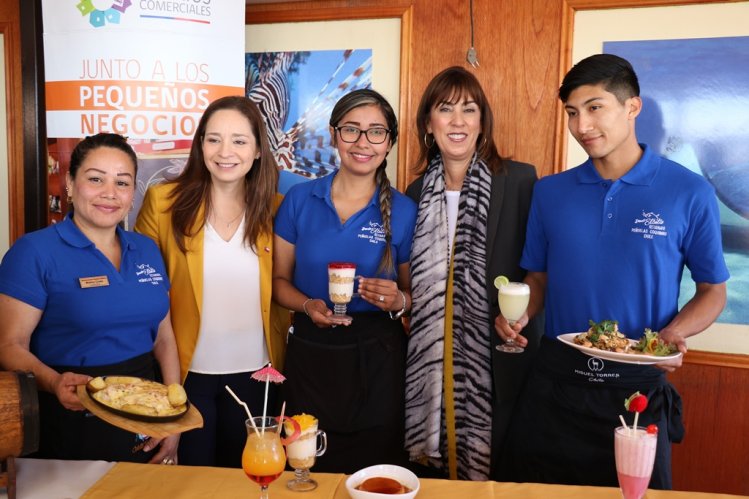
{"points": [[142, 68]]}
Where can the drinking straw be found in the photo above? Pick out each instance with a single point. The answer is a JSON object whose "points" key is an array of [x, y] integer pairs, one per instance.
{"points": [[247, 409], [280, 420], [624, 424], [265, 402], [634, 426]]}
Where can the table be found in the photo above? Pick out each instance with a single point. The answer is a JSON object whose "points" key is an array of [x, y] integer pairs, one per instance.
{"points": [[50, 479]]}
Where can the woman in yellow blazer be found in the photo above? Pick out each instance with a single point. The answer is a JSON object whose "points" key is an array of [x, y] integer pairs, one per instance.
{"points": [[214, 227]]}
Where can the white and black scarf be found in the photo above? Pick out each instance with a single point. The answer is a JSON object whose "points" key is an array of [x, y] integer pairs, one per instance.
{"points": [[471, 366]]}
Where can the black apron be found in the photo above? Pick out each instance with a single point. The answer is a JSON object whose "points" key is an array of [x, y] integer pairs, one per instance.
{"points": [[66, 434], [352, 379], [563, 428]]}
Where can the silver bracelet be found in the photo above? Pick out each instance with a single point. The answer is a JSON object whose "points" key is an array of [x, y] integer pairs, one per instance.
{"points": [[304, 305], [397, 315]]}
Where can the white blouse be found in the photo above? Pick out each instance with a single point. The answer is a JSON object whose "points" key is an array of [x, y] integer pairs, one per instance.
{"points": [[231, 338], [452, 199]]}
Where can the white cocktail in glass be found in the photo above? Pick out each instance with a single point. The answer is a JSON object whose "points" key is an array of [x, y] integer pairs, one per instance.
{"points": [[341, 277], [513, 302], [634, 451]]}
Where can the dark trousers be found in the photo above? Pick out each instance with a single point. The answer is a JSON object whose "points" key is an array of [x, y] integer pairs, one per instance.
{"points": [[352, 379], [221, 439]]}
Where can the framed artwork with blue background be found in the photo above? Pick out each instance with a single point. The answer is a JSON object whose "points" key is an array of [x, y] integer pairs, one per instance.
{"points": [[693, 65]]}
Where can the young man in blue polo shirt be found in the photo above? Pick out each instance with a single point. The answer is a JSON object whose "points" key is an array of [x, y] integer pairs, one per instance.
{"points": [[608, 240]]}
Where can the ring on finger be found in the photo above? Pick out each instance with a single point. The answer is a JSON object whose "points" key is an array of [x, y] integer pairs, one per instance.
{"points": [[381, 298]]}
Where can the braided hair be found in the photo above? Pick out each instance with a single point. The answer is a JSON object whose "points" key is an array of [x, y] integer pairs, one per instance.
{"points": [[368, 97]]}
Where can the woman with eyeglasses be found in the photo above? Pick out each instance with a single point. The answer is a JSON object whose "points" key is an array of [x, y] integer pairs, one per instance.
{"points": [[349, 374]]}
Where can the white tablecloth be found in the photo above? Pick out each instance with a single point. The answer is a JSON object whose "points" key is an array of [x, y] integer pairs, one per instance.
{"points": [[53, 479]]}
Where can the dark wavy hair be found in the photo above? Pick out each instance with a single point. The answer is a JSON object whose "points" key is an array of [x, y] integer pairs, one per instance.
{"points": [[613, 72], [192, 186], [367, 97], [450, 86]]}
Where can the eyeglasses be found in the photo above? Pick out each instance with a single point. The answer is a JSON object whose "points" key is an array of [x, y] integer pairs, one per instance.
{"points": [[351, 134]]}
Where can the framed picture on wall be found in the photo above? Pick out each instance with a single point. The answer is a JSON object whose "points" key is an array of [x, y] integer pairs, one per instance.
{"points": [[295, 92], [369, 53]]}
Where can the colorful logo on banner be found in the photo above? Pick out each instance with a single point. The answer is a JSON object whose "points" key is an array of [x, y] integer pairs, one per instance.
{"points": [[99, 18]]}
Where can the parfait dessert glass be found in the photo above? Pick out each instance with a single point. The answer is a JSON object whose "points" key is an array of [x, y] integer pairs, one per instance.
{"points": [[341, 289], [301, 453]]}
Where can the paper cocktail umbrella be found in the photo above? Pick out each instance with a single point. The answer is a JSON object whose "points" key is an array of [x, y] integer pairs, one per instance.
{"points": [[267, 374]]}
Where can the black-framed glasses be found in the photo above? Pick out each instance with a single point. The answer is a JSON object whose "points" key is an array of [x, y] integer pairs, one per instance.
{"points": [[351, 134]]}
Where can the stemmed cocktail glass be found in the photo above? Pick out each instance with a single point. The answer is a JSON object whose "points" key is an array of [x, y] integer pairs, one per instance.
{"points": [[263, 458], [513, 302]]}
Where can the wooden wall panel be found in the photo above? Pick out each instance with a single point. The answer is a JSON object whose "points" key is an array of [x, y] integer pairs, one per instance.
{"points": [[714, 455], [10, 27], [518, 51]]}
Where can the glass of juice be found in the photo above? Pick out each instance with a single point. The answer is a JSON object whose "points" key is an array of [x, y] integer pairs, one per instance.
{"points": [[263, 458], [513, 302], [634, 450]]}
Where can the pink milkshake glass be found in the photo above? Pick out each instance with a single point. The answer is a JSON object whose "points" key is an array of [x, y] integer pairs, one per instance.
{"points": [[634, 451]]}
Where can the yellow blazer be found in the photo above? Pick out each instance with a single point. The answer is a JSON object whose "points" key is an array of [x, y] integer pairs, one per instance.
{"points": [[185, 272]]}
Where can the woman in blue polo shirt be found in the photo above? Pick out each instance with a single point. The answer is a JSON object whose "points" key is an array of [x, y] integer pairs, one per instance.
{"points": [[350, 376], [85, 298]]}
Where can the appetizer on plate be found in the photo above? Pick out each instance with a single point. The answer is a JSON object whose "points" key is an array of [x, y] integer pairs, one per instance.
{"points": [[137, 396], [605, 335], [652, 344]]}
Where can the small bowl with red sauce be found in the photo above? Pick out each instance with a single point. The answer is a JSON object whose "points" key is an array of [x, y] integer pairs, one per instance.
{"points": [[383, 481]]}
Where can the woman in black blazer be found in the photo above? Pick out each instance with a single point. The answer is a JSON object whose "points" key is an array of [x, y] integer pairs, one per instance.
{"points": [[473, 209]]}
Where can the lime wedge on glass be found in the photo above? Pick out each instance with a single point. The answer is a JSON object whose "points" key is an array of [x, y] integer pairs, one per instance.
{"points": [[500, 281]]}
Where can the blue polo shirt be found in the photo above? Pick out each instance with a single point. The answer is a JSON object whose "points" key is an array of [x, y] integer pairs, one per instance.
{"points": [[91, 314], [616, 250], [308, 220]]}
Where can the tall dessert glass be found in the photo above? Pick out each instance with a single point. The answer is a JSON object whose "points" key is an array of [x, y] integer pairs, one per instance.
{"points": [[263, 458], [341, 289], [634, 451], [301, 453], [513, 302]]}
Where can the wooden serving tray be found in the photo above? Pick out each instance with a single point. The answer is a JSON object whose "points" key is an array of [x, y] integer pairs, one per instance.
{"points": [[190, 420]]}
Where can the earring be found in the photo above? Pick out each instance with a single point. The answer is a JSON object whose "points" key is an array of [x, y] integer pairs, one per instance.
{"points": [[426, 143]]}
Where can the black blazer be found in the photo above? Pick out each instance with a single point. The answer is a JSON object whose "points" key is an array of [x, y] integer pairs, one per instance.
{"points": [[508, 216]]}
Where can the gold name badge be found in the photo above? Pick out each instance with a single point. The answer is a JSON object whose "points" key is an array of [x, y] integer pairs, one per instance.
{"points": [[94, 282]]}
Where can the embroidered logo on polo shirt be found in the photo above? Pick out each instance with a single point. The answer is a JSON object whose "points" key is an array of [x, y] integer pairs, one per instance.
{"points": [[650, 225], [372, 232], [146, 273]]}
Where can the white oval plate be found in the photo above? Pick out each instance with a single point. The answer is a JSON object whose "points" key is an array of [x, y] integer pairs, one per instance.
{"points": [[625, 358]]}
